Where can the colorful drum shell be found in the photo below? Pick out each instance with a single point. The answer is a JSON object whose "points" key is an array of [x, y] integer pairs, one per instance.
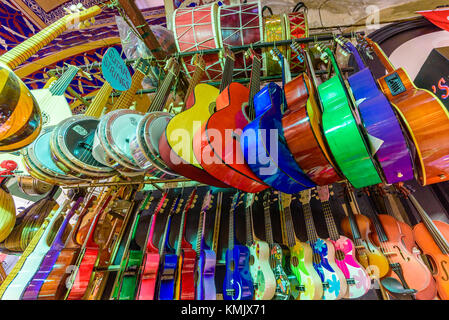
{"points": [[118, 155], [63, 149], [240, 25], [196, 29], [151, 131], [296, 27], [274, 31]]}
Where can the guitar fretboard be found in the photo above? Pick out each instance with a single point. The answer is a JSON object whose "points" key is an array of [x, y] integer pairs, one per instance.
{"points": [[217, 222], [99, 102], [268, 228], [330, 222], [310, 225]]}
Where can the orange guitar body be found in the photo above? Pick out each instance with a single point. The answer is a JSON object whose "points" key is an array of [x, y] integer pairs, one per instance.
{"points": [[427, 122], [416, 274], [223, 158], [440, 261], [376, 259]]}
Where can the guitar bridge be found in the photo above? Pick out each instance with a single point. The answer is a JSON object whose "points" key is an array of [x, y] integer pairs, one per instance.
{"points": [[395, 84]]}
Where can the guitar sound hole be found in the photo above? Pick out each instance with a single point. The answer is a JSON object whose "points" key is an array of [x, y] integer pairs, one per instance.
{"points": [[295, 261], [339, 255]]}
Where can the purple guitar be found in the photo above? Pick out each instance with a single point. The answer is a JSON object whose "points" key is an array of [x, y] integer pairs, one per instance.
{"points": [[384, 131], [32, 291], [205, 286]]}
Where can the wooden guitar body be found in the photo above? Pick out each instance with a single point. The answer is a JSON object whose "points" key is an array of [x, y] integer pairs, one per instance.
{"points": [[176, 145], [147, 285], [205, 288], [333, 279], [217, 147], [282, 290], [427, 122], [238, 284], [414, 272], [187, 280], [358, 281], [301, 263], [440, 261], [273, 162], [302, 130], [261, 273], [375, 263], [167, 277]]}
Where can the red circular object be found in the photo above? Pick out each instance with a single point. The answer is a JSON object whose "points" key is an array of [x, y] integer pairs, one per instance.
{"points": [[9, 165]]}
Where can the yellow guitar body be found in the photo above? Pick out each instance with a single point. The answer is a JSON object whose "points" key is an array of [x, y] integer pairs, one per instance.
{"points": [[181, 129]]}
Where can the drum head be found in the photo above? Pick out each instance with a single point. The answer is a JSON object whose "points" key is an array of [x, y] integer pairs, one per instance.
{"points": [[74, 139]]}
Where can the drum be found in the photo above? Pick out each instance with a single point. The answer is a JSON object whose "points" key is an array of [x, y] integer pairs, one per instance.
{"points": [[38, 159], [240, 25], [71, 145], [274, 31], [145, 146], [32, 186], [196, 29], [114, 133], [296, 28]]}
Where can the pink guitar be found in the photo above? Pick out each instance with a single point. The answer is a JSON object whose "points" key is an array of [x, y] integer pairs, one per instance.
{"points": [[150, 261], [356, 277]]}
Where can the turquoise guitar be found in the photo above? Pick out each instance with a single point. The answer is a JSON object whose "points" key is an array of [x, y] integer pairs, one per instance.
{"points": [[343, 130]]}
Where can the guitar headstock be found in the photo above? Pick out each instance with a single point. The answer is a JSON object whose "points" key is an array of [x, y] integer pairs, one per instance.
{"points": [[172, 66], [266, 199], [286, 199], [299, 50], [251, 54], [323, 193], [277, 54], [207, 201], [78, 17], [305, 196], [403, 189], [249, 199], [324, 51], [235, 200], [199, 62], [345, 48], [227, 53], [191, 201], [367, 45], [143, 65]]}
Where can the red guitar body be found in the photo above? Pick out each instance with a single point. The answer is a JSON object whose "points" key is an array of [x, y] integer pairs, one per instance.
{"points": [[188, 275], [90, 257], [217, 147], [148, 276], [415, 273]]}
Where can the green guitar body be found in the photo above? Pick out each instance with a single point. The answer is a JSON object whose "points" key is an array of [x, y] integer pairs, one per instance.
{"points": [[129, 283], [295, 287], [344, 136]]}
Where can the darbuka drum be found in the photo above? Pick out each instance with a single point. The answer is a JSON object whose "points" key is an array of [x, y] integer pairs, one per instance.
{"points": [[296, 28], [274, 31], [145, 145], [114, 133], [38, 159], [71, 145], [32, 186], [240, 25], [196, 29]]}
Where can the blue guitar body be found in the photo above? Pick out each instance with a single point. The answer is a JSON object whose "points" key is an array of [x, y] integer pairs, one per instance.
{"points": [[238, 284], [267, 154], [167, 271], [205, 288]]}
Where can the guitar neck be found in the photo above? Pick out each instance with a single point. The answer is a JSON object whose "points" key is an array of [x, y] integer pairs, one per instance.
{"points": [[355, 53], [254, 84], [436, 234], [58, 87], [166, 237], [57, 242], [71, 239], [354, 227], [200, 233], [217, 223], [21, 53], [290, 229], [150, 247], [382, 56], [330, 222], [231, 238], [161, 97], [226, 77], [95, 109], [268, 228], [196, 78], [310, 225], [126, 98], [249, 231]]}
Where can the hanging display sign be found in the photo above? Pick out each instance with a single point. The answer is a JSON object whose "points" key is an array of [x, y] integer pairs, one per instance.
{"points": [[115, 70]]}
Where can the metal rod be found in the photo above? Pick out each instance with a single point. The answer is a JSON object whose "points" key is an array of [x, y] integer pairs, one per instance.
{"points": [[320, 37], [124, 183]]}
